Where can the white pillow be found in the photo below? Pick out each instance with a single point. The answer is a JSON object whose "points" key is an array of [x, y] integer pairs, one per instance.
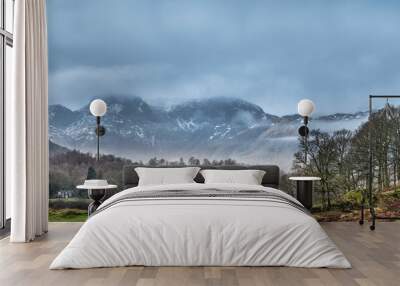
{"points": [[248, 177], [165, 176]]}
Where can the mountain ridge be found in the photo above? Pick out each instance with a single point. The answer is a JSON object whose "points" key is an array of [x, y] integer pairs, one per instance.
{"points": [[213, 128], [187, 104]]}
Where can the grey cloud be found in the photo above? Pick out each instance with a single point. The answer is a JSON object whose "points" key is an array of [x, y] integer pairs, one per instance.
{"points": [[272, 53]]}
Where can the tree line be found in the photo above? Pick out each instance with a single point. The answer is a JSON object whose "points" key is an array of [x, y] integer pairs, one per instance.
{"points": [[70, 168], [341, 158]]}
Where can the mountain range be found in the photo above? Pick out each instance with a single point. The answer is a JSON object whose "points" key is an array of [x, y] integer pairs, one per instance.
{"points": [[215, 128]]}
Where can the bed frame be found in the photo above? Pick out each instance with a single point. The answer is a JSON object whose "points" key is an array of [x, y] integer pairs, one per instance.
{"points": [[130, 178]]}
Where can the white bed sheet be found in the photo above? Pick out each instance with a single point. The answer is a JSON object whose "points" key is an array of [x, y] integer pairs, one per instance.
{"points": [[202, 232]]}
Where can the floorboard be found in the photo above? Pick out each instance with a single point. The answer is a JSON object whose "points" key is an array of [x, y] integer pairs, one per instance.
{"points": [[375, 257]]}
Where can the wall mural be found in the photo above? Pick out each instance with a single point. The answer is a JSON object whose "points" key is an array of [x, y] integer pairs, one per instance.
{"points": [[212, 82]]}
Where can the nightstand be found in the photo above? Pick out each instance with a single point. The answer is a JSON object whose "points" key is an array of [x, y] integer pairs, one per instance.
{"points": [[96, 193], [304, 191]]}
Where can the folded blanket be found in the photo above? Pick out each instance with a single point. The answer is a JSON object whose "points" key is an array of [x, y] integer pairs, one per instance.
{"points": [[206, 193]]}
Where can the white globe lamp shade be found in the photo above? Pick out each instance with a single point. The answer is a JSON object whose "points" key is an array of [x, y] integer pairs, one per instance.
{"points": [[305, 107], [98, 107]]}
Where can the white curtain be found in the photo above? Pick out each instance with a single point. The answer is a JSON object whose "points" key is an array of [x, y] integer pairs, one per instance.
{"points": [[27, 146]]}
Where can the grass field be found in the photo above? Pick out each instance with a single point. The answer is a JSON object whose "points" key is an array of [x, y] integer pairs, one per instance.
{"points": [[67, 215]]}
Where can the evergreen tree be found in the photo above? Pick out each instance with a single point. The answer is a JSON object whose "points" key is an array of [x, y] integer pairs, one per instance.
{"points": [[91, 173]]}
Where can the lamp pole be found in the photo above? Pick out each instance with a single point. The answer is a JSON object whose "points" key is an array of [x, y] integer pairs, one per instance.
{"points": [[305, 140], [98, 108], [305, 107], [98, 137]]}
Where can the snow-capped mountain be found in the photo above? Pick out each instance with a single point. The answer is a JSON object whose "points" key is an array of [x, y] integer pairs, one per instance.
{"points": [[215, 128]]}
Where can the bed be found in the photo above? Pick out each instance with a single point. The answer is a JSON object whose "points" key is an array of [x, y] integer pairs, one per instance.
{"points": [[199, 224]]}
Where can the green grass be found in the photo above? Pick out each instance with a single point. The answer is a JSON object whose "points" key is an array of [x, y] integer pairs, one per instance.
{"points": [[67, 215]]}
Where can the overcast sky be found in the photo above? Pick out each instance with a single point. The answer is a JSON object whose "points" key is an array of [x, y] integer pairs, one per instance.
{"points": [[272, 53]]}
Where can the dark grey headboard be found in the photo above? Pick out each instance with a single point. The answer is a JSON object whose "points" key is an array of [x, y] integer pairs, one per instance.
{"points": [[130, 178]]}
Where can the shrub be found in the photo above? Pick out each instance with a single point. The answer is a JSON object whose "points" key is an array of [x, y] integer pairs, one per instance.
{"points": [[390, 200], [80, 204], [351, 200]]}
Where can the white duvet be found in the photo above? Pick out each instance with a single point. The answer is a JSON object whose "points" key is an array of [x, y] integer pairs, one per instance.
{"points": [[193, 231]]}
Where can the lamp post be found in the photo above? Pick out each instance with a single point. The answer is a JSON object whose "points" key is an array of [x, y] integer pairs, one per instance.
{"points": [[305, 107], [98, 108]]}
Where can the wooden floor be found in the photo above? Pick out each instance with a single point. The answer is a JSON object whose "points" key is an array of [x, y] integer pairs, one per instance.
{"points": [[375, 257]]}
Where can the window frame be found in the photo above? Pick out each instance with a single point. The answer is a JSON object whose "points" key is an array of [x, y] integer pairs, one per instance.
{"points": [[6, 39]]}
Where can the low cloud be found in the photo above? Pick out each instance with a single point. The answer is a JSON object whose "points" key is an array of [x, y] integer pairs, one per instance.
{"points": [[272, 53], [163, 85]]}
